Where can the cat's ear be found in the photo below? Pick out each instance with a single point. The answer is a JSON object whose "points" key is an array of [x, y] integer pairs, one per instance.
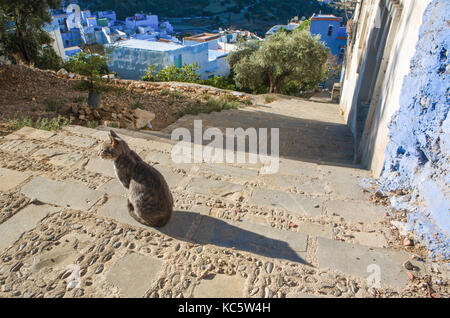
{"points": [[114, 138]]}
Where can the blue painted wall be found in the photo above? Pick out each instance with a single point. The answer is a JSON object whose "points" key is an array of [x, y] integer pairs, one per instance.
{"points": [[321, 27], [418, 153]]}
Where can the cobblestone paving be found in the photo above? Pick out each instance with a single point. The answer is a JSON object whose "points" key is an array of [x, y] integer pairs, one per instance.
{"points": [[307, 231]]}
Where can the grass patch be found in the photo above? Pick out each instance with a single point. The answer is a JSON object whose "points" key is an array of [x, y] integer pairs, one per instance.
{"points": [[164, 92], [21, 120], [211, 105], [137, 104], [176, 94], [91, 123], [78, 99], [53, 104], [269, 99]]}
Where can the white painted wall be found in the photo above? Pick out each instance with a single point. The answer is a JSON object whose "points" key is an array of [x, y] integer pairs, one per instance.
{"points": [[398, 66]]}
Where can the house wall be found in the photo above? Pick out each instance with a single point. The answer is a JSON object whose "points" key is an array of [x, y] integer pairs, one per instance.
{"points": [[417, 156], [396, 66], [321, 27], [406, 136], [131, 63]]}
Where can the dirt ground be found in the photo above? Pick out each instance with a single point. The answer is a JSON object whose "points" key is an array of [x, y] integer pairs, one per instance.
{"points": [[46, 94]]}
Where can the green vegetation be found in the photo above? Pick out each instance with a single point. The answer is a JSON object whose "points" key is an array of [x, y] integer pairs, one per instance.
{"points": [[53, 104], [137, 105], [269, 99], [93, 66], [78, 99], [25, 38], [285, 63], [210, 105], [186, 73], [20, 120], [91, 123]]}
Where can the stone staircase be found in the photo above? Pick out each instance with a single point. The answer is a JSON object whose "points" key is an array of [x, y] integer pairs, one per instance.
{"points": [[307, 231]]}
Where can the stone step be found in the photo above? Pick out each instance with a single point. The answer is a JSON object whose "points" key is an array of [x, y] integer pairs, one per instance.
{"points": [[204, 229], [75, 196], [383, 265]]}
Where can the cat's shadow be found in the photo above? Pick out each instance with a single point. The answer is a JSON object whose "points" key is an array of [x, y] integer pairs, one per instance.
{"points": [[244, 236]]}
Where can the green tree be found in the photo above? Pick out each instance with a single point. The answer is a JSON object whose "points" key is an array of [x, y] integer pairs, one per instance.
{"points": [[93, 66], [243, 49], [283, 57], [29, 17]]}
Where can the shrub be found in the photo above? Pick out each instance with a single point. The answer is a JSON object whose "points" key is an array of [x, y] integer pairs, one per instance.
{"points": [[269, 99], [53, 104], [20, 121]]}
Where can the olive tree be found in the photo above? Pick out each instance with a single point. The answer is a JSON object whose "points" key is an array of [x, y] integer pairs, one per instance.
{"points": [[283, 58]]}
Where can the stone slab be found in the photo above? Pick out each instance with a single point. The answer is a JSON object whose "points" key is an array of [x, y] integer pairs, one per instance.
{"points": [[298, 168], [164, 159], [220, 286], [81, 142], [66, 159], [359, 260], [23, 147], [24, 220], [315, 229], [253, 238], [30, 133], [10, 179], [213, 187], [225, 170], [291, 202], [344, 182], [75, 196], [104, 167], [308, 185], [355, 211], [47, 152], [370, 239], [134, 274]]}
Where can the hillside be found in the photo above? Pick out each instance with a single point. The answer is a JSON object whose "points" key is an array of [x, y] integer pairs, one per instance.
{"points": [[254, 15]]}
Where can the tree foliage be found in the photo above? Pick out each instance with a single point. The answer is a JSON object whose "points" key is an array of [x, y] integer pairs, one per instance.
{"points": [[186, 73], [283, 58], [24, 41], [93, 66]]}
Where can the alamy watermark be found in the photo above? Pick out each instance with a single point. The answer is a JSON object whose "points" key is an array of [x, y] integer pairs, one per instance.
{"points": [[374, 279], [228, 148]]}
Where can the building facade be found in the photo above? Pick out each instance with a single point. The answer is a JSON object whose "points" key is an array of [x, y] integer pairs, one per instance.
{"points": [[131, 58], [395, 100], [331, 32]]}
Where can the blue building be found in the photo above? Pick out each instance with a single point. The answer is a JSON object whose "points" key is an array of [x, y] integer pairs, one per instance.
{"points": [[331, 32]]}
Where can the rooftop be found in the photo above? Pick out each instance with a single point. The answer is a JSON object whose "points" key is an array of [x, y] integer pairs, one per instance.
{"points": [[326, 17], [203, 37], [149, 45]]}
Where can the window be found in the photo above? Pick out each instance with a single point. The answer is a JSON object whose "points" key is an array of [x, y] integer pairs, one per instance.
{"points": [[330, 30], [177, 61]]}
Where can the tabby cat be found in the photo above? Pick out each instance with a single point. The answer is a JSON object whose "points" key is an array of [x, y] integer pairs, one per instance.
{"points": [[149, 199]]}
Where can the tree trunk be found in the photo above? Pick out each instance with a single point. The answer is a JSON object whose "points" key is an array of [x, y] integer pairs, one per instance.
{"points": [[275, 85]]}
